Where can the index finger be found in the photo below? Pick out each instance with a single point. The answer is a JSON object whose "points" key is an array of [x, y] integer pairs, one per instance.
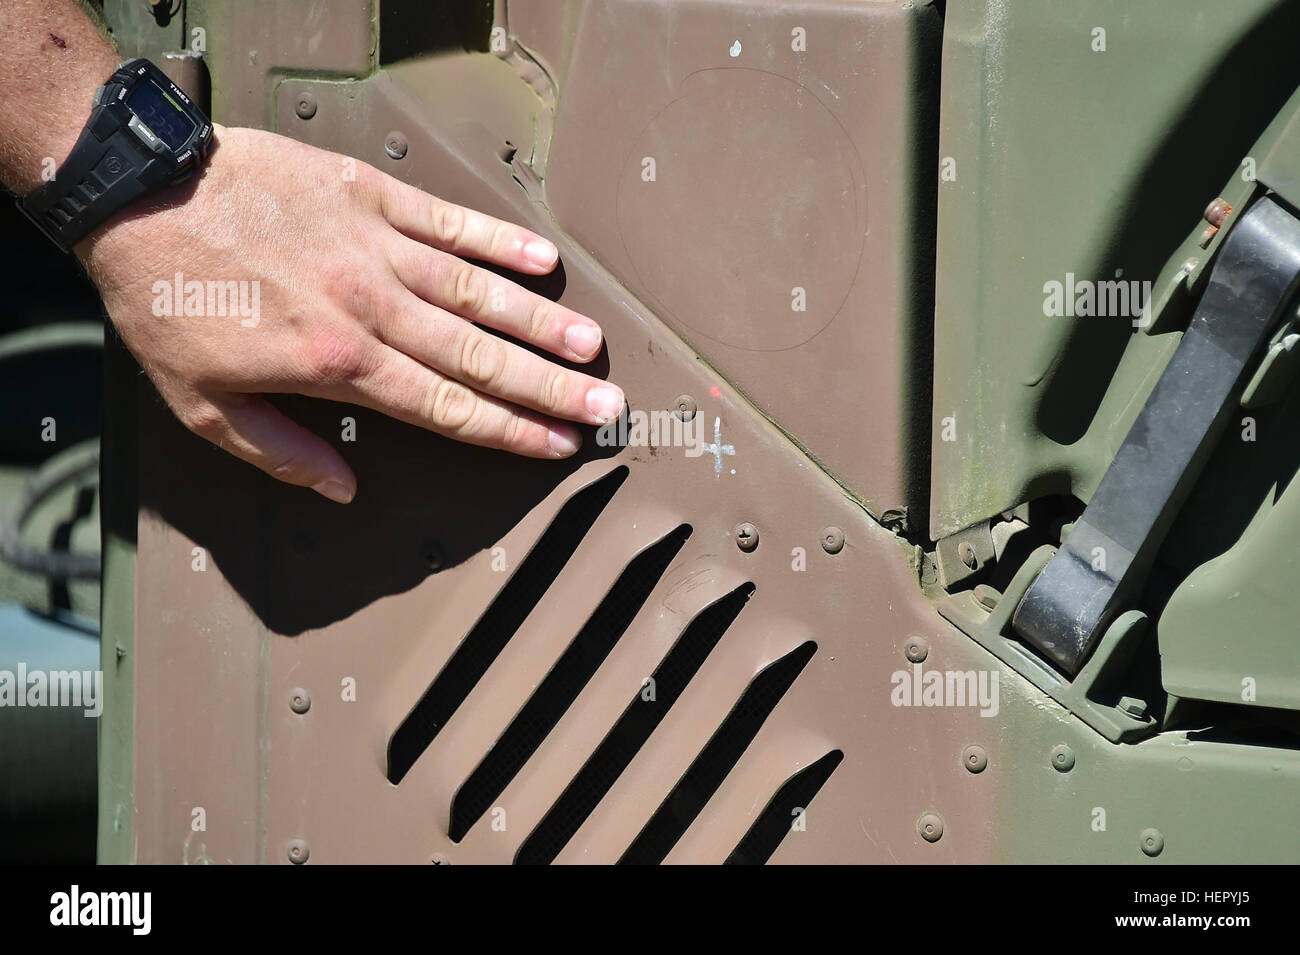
{"points": [[464, 232]]}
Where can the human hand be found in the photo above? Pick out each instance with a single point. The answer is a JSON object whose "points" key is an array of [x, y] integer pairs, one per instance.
{"points": [[348, 288]]}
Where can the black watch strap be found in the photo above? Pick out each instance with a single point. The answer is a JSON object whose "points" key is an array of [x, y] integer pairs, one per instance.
{"points": [[143, 133], [98, 179]]}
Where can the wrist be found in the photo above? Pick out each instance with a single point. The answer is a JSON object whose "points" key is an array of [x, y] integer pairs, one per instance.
{"points": [[45, 149], [144, 135], [163, 215]]}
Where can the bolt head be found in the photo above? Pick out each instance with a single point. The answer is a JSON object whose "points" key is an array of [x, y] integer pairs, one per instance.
{"points": [[986, 596], [1217, 212], [299, 700], [306, 105], [1062, 758], [299, 852], [395, 145], [684, 407], [930, 826], [916, 649], [746, 537], [975, 759], [1134, 707]]}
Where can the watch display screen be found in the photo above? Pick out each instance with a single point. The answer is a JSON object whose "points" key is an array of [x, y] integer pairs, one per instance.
{"points": [[161, 113]]}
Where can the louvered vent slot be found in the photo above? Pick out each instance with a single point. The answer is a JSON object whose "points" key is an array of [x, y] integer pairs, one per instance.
{"points": [[633, 728], [776, 819], [564, 682], [499, 622], [698, 784]]}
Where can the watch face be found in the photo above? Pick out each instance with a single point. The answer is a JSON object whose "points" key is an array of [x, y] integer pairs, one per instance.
{"points": [[161, 113]]}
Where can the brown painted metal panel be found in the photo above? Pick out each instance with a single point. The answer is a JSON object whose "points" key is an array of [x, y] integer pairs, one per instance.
{"points": [[762, 634], [781, 162], [328, 594], [299, 594]]}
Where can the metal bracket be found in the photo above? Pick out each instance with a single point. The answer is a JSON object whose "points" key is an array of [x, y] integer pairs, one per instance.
{"points": [[964, 554], [1095, 694], [1101, 564]]}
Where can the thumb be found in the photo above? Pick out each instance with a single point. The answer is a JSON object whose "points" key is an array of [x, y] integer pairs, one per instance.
{"points": [[254, 430]]}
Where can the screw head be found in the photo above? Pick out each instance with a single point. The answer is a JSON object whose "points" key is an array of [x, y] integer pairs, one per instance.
{"points": [[916, 649], [306, 105], [930, 826], [746, 536], [1062, 758], [299, 700], [684, 407], [975, 759], [395, 145], [299, 851], [832, 540], [1152, 841]]}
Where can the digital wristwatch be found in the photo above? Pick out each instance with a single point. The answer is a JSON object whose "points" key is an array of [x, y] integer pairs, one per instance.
{"points": [[143, 133]]}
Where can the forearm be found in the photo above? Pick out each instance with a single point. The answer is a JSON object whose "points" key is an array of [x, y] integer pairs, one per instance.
{"points": [[52, 57]]}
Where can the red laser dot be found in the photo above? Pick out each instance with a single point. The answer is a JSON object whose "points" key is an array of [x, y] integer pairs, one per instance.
{"points": [[715, 390]]}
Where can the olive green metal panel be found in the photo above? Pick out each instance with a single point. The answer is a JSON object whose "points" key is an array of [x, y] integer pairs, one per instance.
{"points": [[119, 466], [1080, 143], [1229, 632]]}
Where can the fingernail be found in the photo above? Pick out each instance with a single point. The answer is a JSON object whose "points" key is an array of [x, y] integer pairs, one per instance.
{"points": [[336, 492], [605, 402], [541, 253], [583, 340], [564, 441]]}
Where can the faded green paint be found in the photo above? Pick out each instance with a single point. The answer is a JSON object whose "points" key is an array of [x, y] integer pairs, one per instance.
{"points": [[119, 462], [1071, 160]]}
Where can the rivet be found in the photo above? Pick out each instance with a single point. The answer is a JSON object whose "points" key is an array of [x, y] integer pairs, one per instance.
{"points": [[1062, 758], [930, 826], [306, 105], [299, 851], [746, 536], [916, 649], [395, 145], [974, 758], [832, 540], [684, 407], [299, 700], [1151, 841]]}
